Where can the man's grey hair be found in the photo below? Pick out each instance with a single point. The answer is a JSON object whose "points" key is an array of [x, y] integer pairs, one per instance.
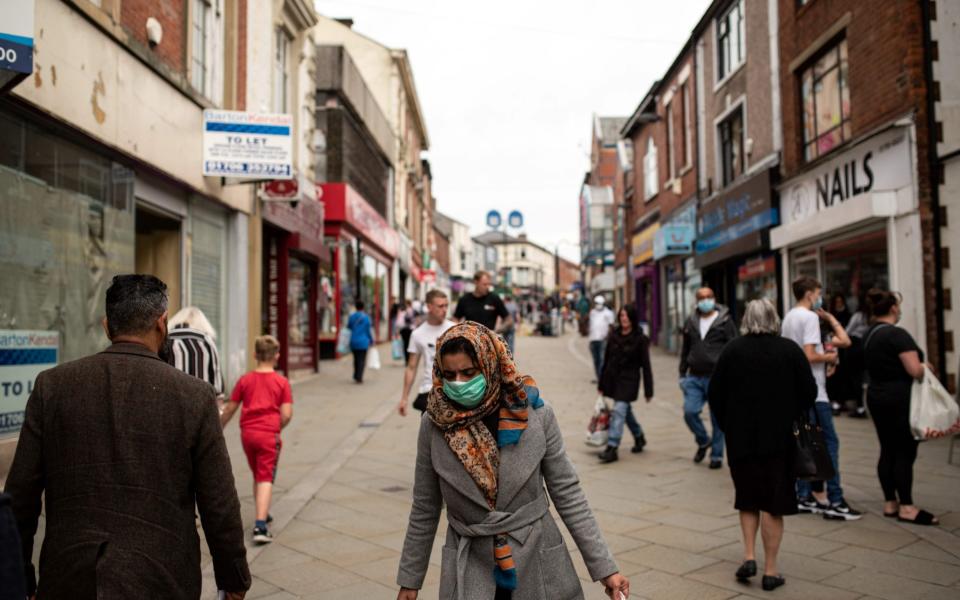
{"points": [[760, 317], [134, 303]]}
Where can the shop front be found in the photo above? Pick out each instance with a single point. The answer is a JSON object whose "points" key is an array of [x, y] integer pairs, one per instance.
{"points": [[733, 243], [296, 265], [646, 280], [852, 223], [672, 247], [365, 249]]}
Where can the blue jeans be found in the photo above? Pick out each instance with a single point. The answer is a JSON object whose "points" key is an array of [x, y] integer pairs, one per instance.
{"points": [[824, 416], [622, 412], [694, 398], [510, 337], [596, 351]]}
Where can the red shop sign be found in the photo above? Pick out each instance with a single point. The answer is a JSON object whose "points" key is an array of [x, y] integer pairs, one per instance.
{"points": [[757, 268]]}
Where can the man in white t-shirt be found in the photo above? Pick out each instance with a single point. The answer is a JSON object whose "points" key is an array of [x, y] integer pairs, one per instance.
{"points": [[423, 349], [601, 319], [802, 325]]}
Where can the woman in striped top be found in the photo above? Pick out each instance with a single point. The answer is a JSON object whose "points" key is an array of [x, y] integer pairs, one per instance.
{"points": [[193, 347]]}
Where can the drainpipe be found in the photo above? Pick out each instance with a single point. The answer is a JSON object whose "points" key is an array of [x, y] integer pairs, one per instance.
{"points": [[935, 166]]}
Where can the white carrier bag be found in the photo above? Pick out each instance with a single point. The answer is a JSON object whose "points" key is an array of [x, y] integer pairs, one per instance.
{"points": [[933, 411]]}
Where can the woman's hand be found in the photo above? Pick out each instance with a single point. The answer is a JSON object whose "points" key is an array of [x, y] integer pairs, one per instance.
{"points": [[615, 585], [407, 594]]}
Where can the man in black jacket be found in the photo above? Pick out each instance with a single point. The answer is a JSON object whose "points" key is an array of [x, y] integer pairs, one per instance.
{"points": [[705, 334], [122, 448]]}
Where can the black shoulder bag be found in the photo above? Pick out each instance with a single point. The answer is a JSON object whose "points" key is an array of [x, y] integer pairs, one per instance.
{"points": [[812, 461]]}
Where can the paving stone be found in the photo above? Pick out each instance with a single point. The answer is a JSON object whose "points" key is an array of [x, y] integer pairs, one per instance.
{"points": [[789, 563], [310, 577], [657, 585], [871, 538], [928, 551], [722, 575], [896, 564], [891, 587], [690, 520], [678, 537], [260, 589], [668, 560]]}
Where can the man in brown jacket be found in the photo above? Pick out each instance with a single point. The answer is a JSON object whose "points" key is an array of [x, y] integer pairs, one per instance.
{"points": [[125, 448]]}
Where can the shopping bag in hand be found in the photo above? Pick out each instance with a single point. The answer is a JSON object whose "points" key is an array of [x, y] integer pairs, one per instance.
{"points": [[598, 429], [373, 359], [396, 349], [343, 341], [933, 412]]}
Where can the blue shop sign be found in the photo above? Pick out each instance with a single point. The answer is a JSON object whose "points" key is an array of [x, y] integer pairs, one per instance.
{"points": [[673, 239], [762, 220], [744, 209], [16, 40]]}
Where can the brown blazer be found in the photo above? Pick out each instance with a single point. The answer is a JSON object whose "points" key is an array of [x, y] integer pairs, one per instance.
{"points": [[125, 448]]}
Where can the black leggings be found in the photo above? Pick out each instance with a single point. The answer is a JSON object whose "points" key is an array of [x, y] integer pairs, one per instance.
{"points": [[359, 362], [898, 449]]}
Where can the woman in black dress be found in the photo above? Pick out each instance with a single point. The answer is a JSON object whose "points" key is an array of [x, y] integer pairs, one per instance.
{"points": [[893, 362], [761, 383]]}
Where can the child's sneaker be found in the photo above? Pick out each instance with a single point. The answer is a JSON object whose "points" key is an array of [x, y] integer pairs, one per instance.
{"points": [[262, 535]]}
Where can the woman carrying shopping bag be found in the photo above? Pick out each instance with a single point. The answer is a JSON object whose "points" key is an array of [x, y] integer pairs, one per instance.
{"points": [[626, 357], [361, 338], [893, 362], [487, 446]]}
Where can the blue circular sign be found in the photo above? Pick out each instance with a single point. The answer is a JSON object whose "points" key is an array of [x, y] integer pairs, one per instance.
{"points": [[515, 219], [494, 219]]}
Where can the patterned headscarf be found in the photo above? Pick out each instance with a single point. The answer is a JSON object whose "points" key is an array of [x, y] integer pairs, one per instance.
{"points": [[508, 391]]}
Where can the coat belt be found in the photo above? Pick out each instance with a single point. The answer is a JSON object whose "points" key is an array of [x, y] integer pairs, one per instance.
{"points": [[516, 524]]}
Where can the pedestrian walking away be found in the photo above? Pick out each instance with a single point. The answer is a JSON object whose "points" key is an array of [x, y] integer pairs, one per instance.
{"points": [[404, 324], [601, 320], [802, 325], [487, 445], [267, 407], [857, 330], [627, 357], [893, 361], [705, 334], [761, 384], [510, 333], [361, 338], [423, 349], [483, 306], [194, 347], [122, 451]]}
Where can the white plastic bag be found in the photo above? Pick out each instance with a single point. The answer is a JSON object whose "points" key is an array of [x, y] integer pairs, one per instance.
{"points": [[343, 341], [933, 411], [373, 358], [598, 428]]}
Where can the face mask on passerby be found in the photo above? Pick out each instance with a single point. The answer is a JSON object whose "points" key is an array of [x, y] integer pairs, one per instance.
{"points": [[706, 305], [467, 394], [817, 304]]}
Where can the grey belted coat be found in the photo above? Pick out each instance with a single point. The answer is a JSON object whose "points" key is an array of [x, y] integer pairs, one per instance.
{"points": [[544, 567]]}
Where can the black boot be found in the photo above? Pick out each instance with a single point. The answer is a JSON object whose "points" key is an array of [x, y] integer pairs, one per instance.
{"points": [[638, 445], [609, 455]]}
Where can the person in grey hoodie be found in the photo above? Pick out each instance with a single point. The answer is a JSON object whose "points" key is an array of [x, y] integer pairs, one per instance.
{"points": [[706, 332]]}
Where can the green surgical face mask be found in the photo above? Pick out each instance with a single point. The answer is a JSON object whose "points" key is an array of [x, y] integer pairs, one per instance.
{"points": [[467, 394]]}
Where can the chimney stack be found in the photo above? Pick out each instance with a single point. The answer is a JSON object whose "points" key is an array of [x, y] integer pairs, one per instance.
{"points": [[346, 22]]}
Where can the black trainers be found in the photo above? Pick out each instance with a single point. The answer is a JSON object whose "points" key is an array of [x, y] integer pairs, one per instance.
{"points": [[269, 518], [747, 570], [716, 463], [841, 511], [262, 535], [772, 582], [701, 453], [638, 445], [810, 506]]}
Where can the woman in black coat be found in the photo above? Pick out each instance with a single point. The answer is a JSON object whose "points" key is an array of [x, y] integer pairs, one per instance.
{"points": [[627, 354], [761, 384]]}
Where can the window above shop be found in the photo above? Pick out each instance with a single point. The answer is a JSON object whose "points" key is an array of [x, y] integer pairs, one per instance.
{"points": [[825, 102], [281, 51], [730, 135], [731, 47], [650, 183]]}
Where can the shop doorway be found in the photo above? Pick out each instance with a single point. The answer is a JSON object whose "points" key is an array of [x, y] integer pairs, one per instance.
{"points": [[158, 250]]}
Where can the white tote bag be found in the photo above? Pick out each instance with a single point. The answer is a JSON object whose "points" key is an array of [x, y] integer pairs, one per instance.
{"points": [[933, 411], [373, 358]]}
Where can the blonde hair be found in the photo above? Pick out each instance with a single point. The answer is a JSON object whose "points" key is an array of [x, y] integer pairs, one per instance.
{"points": [[192, 317], [266, 348], [759, 318]]}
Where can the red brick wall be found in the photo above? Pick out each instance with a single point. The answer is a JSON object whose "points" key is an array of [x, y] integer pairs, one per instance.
{"points": [[173, 17], [885, 46]]}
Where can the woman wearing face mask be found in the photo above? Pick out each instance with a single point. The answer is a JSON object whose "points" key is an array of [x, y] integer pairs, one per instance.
{"points": [[487, 445], [893, 361], [627, 354]]}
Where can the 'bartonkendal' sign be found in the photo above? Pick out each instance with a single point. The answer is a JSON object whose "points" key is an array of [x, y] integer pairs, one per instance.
{"points": [[243, 145], [23, 355]]}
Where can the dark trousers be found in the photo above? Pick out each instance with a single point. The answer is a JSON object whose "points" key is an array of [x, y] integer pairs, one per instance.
{"points": [[405, 336], [898, 449], [596, 352], [359, 364]]}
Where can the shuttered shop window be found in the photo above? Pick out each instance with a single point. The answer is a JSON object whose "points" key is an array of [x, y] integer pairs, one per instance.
{"points": [[206, 271]]}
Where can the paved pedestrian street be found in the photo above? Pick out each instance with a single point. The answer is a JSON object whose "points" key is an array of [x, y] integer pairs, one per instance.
{"points": [[346, 473]]}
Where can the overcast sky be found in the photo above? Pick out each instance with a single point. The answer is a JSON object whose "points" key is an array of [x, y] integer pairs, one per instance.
{"points": [[508, 89]]}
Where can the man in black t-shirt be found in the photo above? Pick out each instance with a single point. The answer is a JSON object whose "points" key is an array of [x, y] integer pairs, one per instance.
{"points": [[483, 306]]}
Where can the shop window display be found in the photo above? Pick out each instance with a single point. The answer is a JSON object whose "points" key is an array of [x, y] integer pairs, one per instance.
{"points": [[66, 228], [299, 288], [854, 265]]}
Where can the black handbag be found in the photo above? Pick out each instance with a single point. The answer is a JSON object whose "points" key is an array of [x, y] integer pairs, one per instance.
{"points": [[813, 461]]}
